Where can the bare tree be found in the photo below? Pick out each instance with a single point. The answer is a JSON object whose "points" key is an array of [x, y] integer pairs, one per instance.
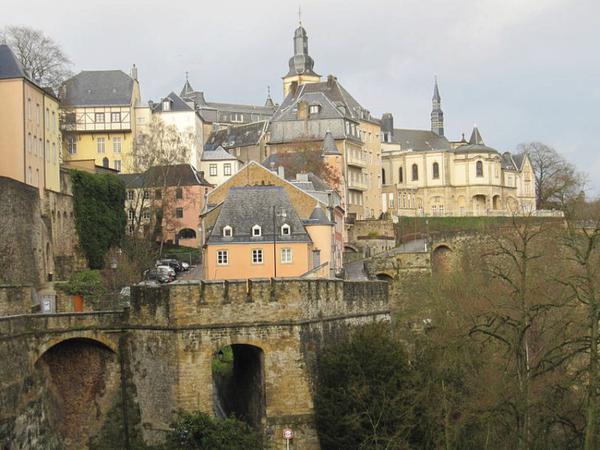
{"points": [[556, 180], [41, 57]]}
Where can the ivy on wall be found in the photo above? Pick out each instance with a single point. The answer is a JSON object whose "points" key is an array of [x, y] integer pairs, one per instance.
{"points": [[99, 206]]}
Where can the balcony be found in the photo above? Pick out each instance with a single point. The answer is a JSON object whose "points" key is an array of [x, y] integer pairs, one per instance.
{"points": [[356, 158], [358, 183]]}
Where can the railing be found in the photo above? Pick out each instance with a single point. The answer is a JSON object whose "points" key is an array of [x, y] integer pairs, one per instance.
{"points": [[358, 183], [356, 158]]}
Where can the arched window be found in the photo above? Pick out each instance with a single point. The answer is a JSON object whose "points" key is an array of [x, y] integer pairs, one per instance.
{"points": [[479, 169], [382, 176], [400, 175], [256, 231], [285, 230], [187, 233], [227, 231], [415, 172], [436, 171], [105, 162]]}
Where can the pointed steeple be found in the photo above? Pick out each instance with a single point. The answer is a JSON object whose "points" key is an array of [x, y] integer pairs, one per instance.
{"points": [[187, 88], [269, 103], [301, 63], [476, 138], [437, 115], [329, 147]]}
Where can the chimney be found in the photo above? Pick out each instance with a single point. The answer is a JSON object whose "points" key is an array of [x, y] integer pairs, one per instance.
{"points": [[331, 80], [134, 72], [281, 171]]}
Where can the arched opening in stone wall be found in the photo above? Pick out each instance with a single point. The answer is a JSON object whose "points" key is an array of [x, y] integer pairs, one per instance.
{"points": [[239, 383], [384, 277], [81, 379], [440, 259]]}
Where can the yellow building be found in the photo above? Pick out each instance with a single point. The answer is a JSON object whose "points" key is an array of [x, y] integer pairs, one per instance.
{"points": [[98, 111], [29, 132], [259, 234]]}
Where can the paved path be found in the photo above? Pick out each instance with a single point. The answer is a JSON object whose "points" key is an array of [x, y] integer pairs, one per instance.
{"points": [[195, 273]]}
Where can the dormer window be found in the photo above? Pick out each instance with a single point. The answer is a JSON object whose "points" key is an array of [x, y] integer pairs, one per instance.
{"points": [[166, 105], [227, 231], [314, 109], [286, 230], [256, 231]]}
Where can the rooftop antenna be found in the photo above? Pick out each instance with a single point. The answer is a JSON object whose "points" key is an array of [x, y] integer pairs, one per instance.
{"points": [[186, 75], [300, 14]]}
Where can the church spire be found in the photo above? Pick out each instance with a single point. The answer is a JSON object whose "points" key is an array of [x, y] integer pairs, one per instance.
{"points": [[437, 115], [187, 88], [269, 101], [301, 63]]}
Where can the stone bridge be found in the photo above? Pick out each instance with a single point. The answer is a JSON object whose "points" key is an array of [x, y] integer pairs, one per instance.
{"points": [[115, 379]]}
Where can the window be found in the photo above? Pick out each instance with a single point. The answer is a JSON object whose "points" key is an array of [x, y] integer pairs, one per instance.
{"points": [[179, 213], [146, 214], [158, 194], [479, 169], [146, 195], [131, 214], [286, 255], [212, 170], [179, 193], [99, 118], [115, 117], [101, 145], [222, 257], [237, 117], [130, 229], [129, 195], [116, 144], [400, 175], [391, 201], [257, 256], [314, 109], [71, 145], [285, 230], [117, 164], [227, 169], [415, 172], [436, 171], [256, 231], [227, 231], [166, 105], [187, 233], [382, 176]]}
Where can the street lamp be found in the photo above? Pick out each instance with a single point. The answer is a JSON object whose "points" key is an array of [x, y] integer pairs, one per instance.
{"points": [[276, 214]]}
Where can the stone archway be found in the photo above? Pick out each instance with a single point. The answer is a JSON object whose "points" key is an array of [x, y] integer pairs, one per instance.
{"points": [[441, 259], [239, 383], [479, 204], [80, 381], [384, 277]]}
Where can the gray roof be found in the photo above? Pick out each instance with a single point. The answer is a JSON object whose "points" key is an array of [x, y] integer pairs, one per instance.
{"points": [[329, 147], [476, 138], [176, 175], [246, 206], [237, 136], [98, 88], [475, 145], [218, 154], [301, 63], [318, 217], [10, 67], [419, 140], [177, 104], [330, 95], [513, 162]]}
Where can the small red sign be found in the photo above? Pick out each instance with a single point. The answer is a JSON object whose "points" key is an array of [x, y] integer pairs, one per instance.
{"points": [[288, 434]]}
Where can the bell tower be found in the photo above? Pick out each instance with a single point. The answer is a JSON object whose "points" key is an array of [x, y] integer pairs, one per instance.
{"points": [[437, 115], [301, 64]]}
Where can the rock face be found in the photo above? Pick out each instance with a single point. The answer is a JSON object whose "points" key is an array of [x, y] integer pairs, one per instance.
{"points": [[116, 379]]}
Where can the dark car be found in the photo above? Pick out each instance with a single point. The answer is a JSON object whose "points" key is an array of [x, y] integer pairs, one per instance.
{"points": [[176, 265], [158, 275]]}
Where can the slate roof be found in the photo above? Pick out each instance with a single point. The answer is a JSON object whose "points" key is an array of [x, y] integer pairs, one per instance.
{"points": [[218, 154], [177, 175], [177, 104], [419, 140], [475, 144], [246, 206], [318, 217], [329, 147], [334, 99], [237, 136], [98, 88], [10, 67]]}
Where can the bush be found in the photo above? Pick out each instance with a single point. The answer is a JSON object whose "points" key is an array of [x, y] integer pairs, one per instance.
{"points": [[99, 206], [88, 283], [198, 431], [364, 392]]}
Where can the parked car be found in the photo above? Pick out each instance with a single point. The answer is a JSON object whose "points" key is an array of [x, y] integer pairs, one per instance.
{"points": [[159, 275], [167, 270], [176, 265], [185, 265]]}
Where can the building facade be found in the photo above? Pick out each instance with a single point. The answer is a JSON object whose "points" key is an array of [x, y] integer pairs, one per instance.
{"points": [[30, 139], [218, 165], [98, 110], [424, 173]]}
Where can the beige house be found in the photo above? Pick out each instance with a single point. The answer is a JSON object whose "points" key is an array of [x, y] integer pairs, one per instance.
{"points": [[99, 117], [30, 139], [218, 165]]}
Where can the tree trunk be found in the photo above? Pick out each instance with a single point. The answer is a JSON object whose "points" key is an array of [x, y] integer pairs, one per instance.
{"points": [[592, 400]]}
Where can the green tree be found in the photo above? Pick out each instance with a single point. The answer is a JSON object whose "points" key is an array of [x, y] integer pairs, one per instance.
{"points": [[198, 431], [364, 392]]}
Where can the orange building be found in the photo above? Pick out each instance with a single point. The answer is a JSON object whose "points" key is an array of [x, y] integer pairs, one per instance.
{"points": [[259, 234], [29, 132]]}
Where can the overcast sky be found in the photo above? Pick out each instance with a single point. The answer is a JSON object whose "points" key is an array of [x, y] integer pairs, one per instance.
{"points": [[522, 70]]}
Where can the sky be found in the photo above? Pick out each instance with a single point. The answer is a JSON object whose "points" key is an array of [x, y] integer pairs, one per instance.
{"points": [[521, 70]]}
